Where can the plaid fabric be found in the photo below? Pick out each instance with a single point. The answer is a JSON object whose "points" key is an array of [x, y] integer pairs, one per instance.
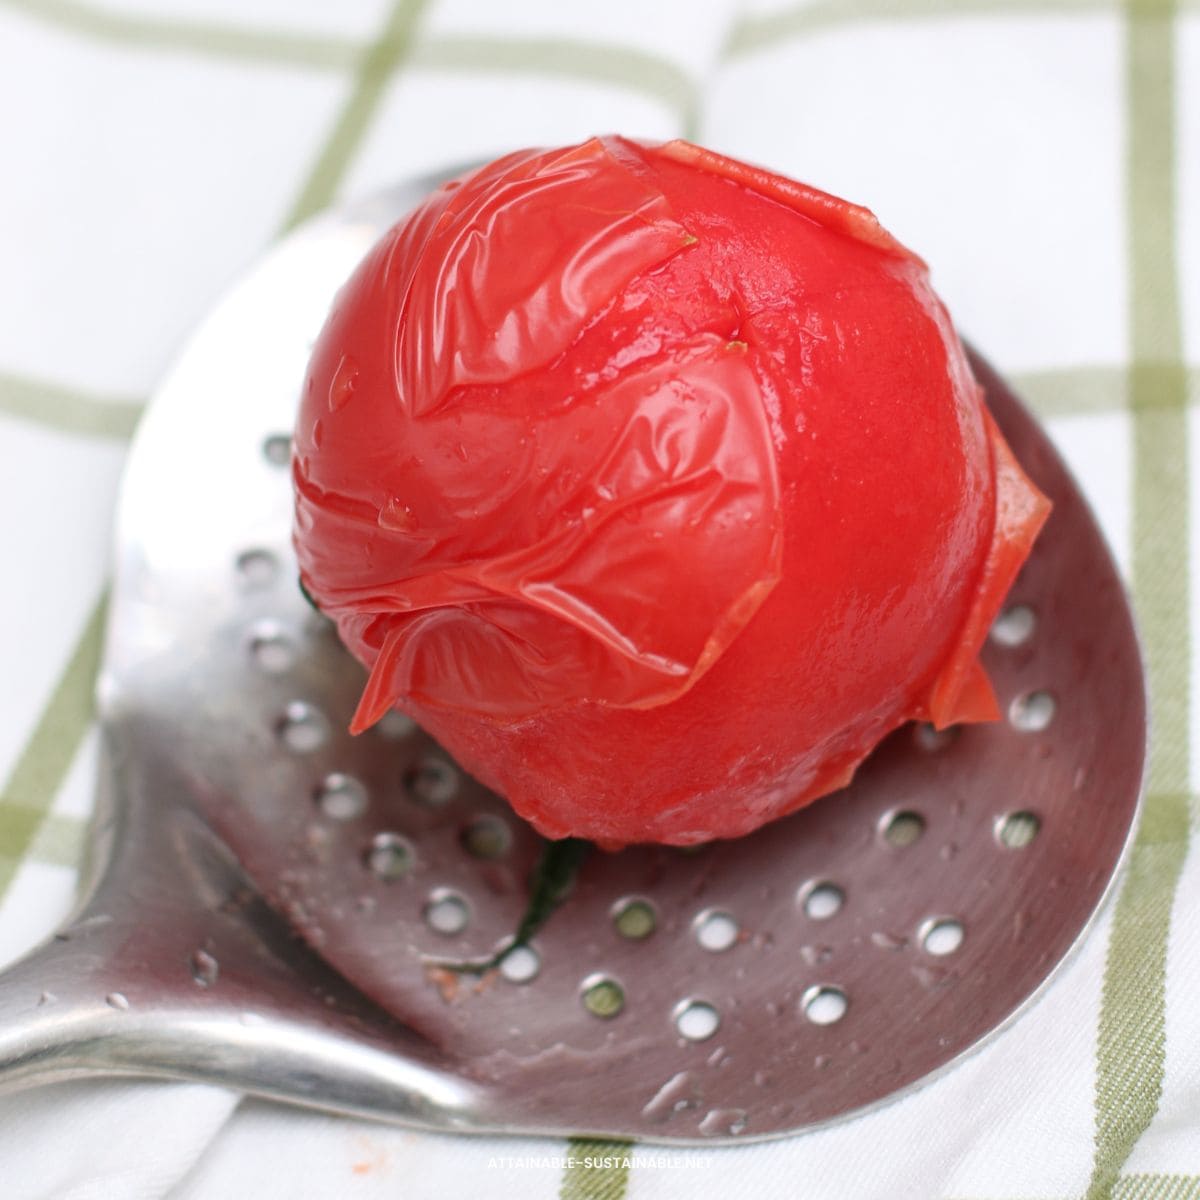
{"points": [[1043, 157]]}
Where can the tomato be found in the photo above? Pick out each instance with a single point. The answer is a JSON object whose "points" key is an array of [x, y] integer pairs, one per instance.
{"points": [[655, 486]]}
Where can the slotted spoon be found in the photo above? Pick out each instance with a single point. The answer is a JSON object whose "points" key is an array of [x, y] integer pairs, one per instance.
{"points": [[275, 907]]}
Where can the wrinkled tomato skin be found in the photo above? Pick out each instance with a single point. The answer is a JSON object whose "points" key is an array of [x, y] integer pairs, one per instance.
{"points": [[841, 569]]}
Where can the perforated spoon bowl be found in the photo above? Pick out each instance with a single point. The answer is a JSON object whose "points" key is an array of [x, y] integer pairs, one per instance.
{"points": [[273, 906]]}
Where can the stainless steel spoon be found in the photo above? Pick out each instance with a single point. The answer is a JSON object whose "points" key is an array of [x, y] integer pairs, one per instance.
{"points": [[275, 907]]}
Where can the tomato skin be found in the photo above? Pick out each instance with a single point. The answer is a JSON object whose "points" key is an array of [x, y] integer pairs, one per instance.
{"points": [[655, 487]]}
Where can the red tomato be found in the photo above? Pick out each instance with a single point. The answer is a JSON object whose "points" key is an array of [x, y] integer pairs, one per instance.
{"points": [[655, 487]]}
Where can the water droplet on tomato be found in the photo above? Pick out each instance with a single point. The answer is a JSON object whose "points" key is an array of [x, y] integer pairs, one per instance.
{"points": [[341, 386], [397, 516]]}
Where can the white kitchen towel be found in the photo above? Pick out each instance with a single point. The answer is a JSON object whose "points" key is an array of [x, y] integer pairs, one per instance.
{"points": [[1043, 157]]}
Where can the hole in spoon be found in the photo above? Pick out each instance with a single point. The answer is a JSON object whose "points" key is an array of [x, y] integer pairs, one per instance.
{"points": [[902, 828], [931, 740], [634, 918], [446, 912], [696, 1020], [1015, 830], [941, 936], [716, 930], [824, 1004], [1014, 626], [270, 648], [821, 900], [486, 837], [389, 856], [1032, 712], [602, 996], [257, 568], [277, 449], [341, 797], [521, 964], [302, 728], [432, 782], [395, 725]]}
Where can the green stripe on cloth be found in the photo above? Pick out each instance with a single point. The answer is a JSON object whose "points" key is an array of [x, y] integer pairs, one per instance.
{"points": [[1157, 1187], [1080, 391], [1131, 1041], [765, 30], [269, 47], [1158, 387], [1074, 391], [48, 837], [386, 54], [39, 772], [595, 1180], [621, 66], [67, 409], [1131, 1047], [59, 840]]}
